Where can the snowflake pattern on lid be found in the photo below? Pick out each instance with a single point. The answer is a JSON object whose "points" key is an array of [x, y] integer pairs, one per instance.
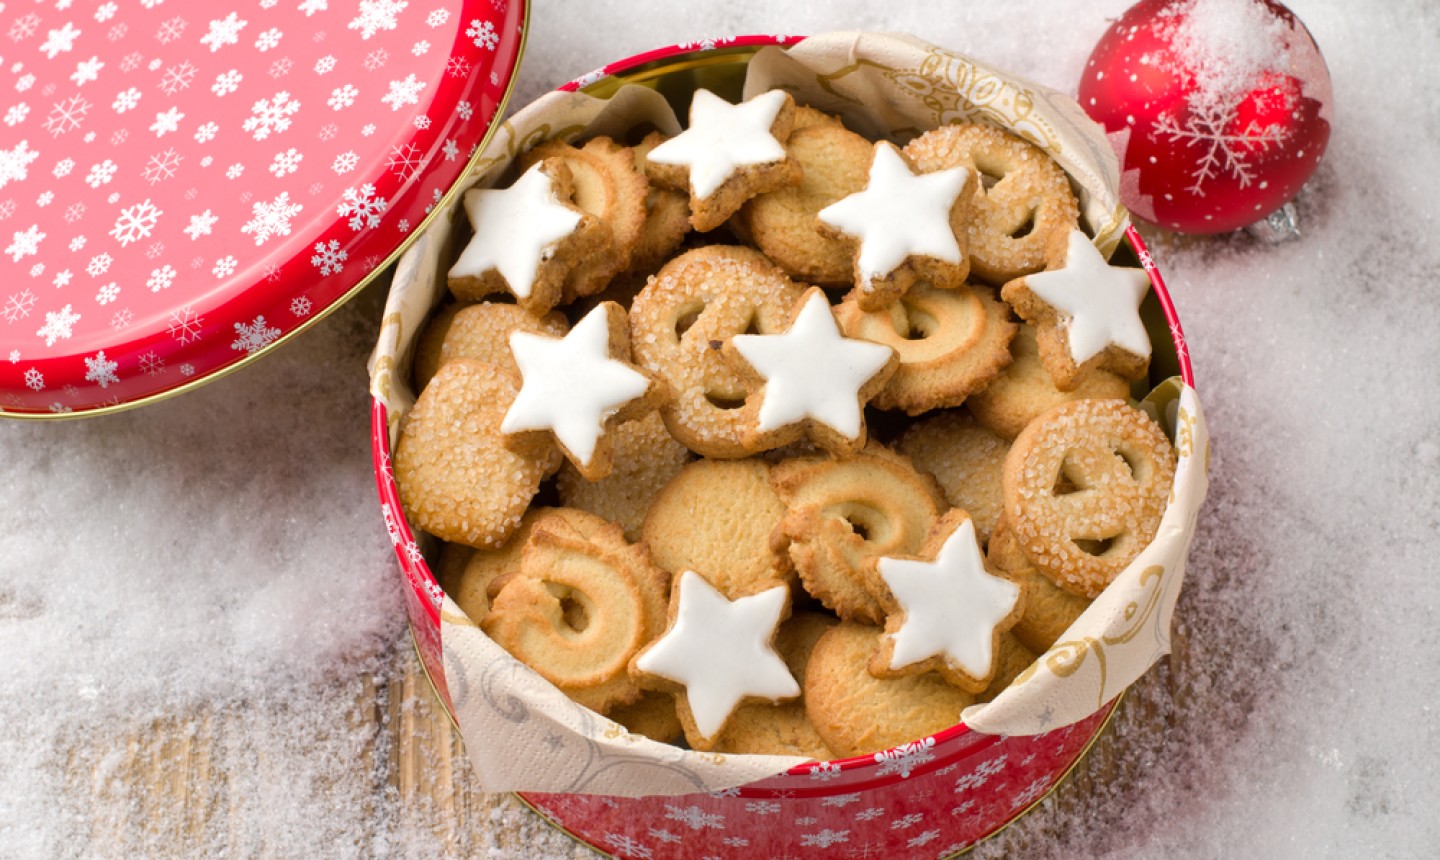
{"points": [[182, 186]]}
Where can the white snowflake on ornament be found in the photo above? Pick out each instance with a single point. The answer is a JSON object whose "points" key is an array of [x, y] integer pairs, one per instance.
{"points": [[695, 817], [628, 846], [483, 34], [268, 40], [345, 162], [225, 31], [167, 121], [67, 115], [100, 370], [107, 294], [405, 161], [824, 839], [101, 174], [34, 380], [272, 115], [420, 48], [281, 67], [377, 15], [59, 325], [161, 278], [99, 264], [45, 199], [185, 325], [172, 29], [162, 166], [437, 18], [234, 171], [362, 207], [225, 266], [152, 364], [905, 758], [15, 163], [17, 306], [126, 100], [25, 243], [87, 71], [406, 92], [121, 319], [16, 114], [201, 225], [287, 162], [105, 12], [177, 78], [301, 306], [271, 219], [136, 222], [59, 41], [324, 65], [254, 337], [329, 257]]}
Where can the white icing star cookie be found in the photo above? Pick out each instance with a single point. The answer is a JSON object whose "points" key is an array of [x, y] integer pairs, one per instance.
{"points": [[527, 238], [904, 226], [812, 379], [578, 385], [718, 653], [1087, 313], [947, 614], [729, 154]]}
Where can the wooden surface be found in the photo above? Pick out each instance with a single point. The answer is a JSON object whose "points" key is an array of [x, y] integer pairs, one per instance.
{"points": [[178, 786]]}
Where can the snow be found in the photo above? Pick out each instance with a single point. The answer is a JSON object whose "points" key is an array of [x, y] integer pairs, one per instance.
{"points": [[220, 557]]}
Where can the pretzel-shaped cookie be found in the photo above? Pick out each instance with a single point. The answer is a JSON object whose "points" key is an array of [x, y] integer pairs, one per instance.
{"points": [[1023, 208], [1119, 467], [578, 610], [680, 322]]}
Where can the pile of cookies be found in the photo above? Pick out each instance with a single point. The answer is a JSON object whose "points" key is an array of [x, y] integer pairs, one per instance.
{"points": [[769, 438]]}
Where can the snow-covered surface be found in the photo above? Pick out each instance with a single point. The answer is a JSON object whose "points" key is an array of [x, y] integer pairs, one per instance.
{"points": [[223, 550]]}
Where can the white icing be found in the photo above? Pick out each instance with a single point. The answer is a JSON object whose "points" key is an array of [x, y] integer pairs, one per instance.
{"points": [[571, 384], [515, 228], [720, 650], [951, 605], [899, 214], [812, 371], [723, 137], [1099, 304]]}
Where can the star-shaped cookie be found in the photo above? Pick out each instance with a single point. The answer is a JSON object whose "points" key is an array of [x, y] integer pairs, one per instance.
{"points": [[729, 154], [812, 380], [716, 654], [944, 614], [1087, 313], [903, 226], [527, 238], [579, 385]]}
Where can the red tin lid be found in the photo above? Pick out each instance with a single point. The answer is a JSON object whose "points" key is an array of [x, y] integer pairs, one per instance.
{"points": [[183, 186]]}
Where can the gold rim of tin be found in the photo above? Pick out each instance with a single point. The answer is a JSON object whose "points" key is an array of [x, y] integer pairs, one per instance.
{"points": [[375, 273], [1079, 758]]}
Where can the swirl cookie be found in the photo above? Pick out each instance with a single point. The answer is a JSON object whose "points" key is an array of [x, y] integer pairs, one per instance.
{"points": [[529, 239], [480, 331], [842, 514], [1087, 314], [679, 324], [951, 343], [458, 478], [944, 611], [906, 225], [645, 460], [966, 459], [1024, 389], [578, 610], [715, 517], [1022, 207], [1119, 466], [727, 155], [782, 729], [856, 713], [834, 161]]}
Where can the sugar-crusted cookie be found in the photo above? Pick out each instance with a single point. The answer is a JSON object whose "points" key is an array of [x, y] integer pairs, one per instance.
{"points": [[856, 713], [1024, 389], [905, 225], [679, 324], [951, 343], [715, 517], [717, 653], [782, 729], [809, 381], [728, 154], [1120, 467], [528, 239], [1022, 207], [834, 163], [645, 459], [966, 459], [458, 478], [1087, 313], [578, 387], [578, 610], [841, 514], [1049, 609], [944, 612], [480, 331]]}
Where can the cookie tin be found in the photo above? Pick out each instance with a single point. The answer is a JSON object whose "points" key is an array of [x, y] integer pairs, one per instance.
{"points": [[183, 187], [933, 797]]}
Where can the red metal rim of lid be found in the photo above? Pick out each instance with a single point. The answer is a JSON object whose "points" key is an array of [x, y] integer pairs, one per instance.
{"points": [[182, 190]]}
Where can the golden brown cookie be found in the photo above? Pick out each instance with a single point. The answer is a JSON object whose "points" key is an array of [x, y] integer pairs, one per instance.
{"points": [[782, 729], [840, 514], [1023, 207], [679, 324], [652, 715], [944, 611], [480, 331], [951, 343], [609, 187], [1049, 609], [1120, 468], [645, 459], [1015, 658], [529, 239], [715, 517], [966, 459], [458, 478], [667, 216], [727, 154], [578, 610], [1023, 390], [856, 713], [782, 223], [907, 225]]}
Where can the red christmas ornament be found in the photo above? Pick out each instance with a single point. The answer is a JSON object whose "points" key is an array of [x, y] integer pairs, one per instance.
{"points": [[1218, 109]]}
